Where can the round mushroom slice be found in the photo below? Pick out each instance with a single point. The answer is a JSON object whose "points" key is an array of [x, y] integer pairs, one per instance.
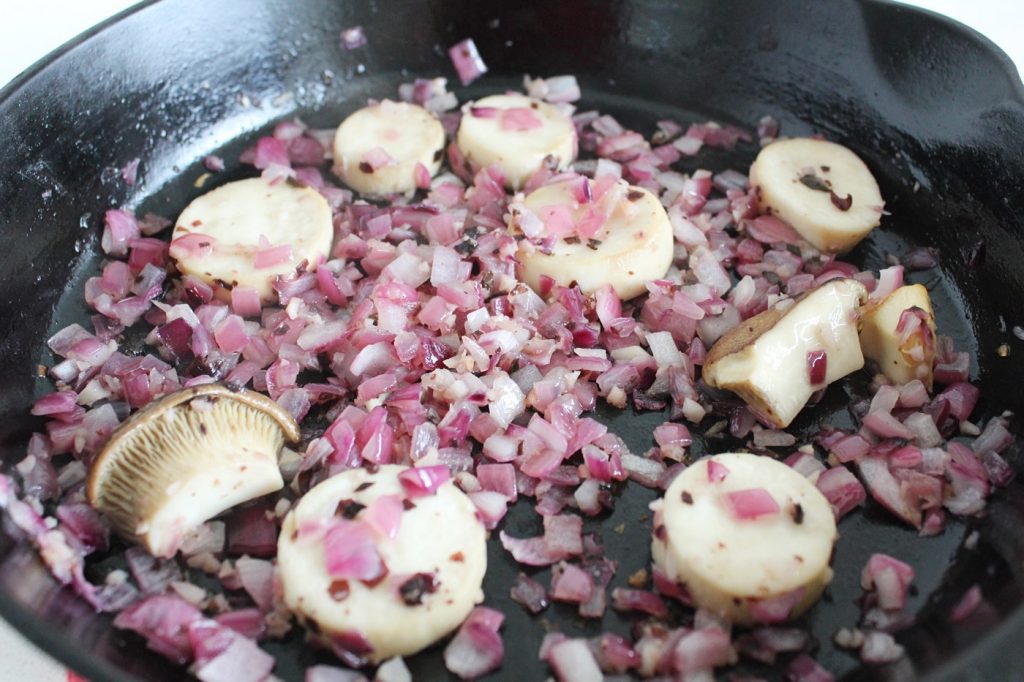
{"points": [[516, 133], [744, 536], [246, 233], [185, 459], [820, 188], [388, 148], [622, 238], [382, 563]]}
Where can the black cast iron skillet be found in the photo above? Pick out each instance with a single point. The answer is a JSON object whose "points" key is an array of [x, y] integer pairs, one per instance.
{"points": [[935, 110]]}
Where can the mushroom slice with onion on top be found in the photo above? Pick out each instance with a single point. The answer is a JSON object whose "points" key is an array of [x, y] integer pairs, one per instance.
{"points": [[745, 537], [776, 360], [186, 458], [898, 333]]}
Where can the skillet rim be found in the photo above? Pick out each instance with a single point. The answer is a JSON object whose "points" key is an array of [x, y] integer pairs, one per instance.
{"points": [[982, 657]]}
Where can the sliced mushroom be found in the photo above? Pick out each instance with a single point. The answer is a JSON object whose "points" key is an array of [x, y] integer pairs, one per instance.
{"points": [[749, 537], [775, 361], [898, 333], [820, 188], [186, 458]]}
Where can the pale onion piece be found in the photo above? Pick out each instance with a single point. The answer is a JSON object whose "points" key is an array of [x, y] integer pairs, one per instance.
{"points": [[440, 535], [880, 341], [407, 135], [186, 458], [633, 246], [764, 359], [728, 564], [486, 139], [244, 219], [814, 213]]}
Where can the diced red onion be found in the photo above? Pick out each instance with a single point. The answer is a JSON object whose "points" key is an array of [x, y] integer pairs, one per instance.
{"points": [[467, 61], [717, 471], [890, 578], [477, 648], [421, 481], [803, 668], [751, 503], [967, 605], [644, 601], [351, 552], [842, 490], [353, 37], [572, 661]]}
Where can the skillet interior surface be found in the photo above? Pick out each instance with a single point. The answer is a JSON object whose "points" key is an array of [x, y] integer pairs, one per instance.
{"points": [[934, 110]]}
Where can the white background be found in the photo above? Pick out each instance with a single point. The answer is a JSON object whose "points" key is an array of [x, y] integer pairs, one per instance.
{"points": [[32, 29]]}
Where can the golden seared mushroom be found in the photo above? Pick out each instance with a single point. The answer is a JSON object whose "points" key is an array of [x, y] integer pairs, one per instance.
{"points": [[898, 333], [186, 458], [776, 360]]}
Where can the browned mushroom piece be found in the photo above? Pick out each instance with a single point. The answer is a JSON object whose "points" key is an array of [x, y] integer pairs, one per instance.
{"points": [[776, 360], [186, 458]]}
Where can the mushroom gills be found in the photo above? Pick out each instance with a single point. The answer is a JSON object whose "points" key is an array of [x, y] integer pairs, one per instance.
{"points": [[186, 459]]}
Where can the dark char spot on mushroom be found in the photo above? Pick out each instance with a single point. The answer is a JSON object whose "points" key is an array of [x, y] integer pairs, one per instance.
{"points": [[413, 589], [349, 509]]}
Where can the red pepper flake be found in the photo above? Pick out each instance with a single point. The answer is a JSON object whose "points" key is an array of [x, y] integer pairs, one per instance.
{"points": [[841, 204], [408, 504], [338, 590], [687, 498], [458, 557], [365, 167]]}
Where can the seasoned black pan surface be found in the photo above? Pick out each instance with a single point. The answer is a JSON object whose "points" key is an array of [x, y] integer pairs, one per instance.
{"points": [[935, 110]]}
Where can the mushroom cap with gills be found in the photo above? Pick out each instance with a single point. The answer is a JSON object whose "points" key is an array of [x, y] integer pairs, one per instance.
{"points": [[186, 458]]}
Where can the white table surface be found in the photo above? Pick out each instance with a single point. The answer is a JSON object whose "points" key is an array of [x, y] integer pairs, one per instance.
{"points": [[30, 30]]}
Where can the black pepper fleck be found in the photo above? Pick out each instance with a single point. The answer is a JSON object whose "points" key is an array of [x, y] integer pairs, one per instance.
{"points": [[413, 589], [348, 509], [812, 181]]}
